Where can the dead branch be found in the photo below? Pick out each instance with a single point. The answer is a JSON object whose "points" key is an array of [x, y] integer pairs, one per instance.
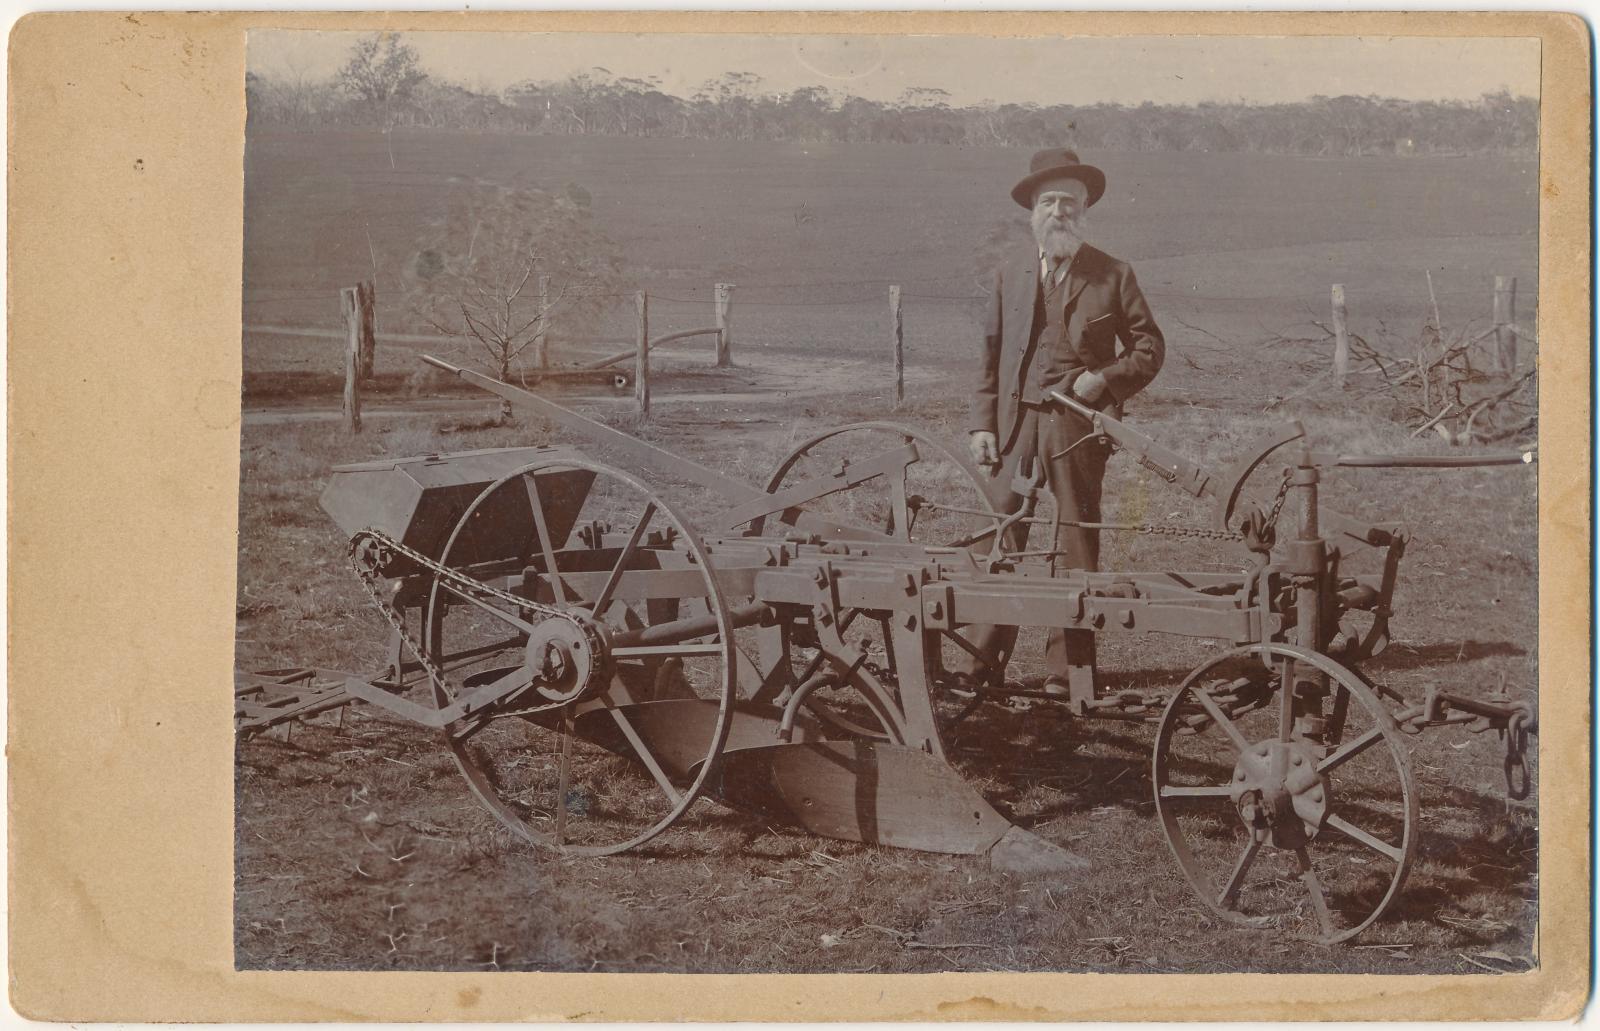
{"points": [[1425, 427]]}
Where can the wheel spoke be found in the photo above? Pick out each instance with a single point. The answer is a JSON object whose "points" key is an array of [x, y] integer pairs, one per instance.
{"points": [[1319, 901], [498, 613], [1197, 791], [1350, 750], [1329, 892], [500, 691], [564, 777], [558, 586], [514, 776], [645, 756], [471, 655], [1230, 891], [604, 597], [1286, 708], [1350, 830], [1215, 712]]}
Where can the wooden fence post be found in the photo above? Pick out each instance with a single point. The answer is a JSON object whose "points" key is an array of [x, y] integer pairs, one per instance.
{"points": [[1505, 317], [366, 301], [1443, 348], [350, 305], [898, 328], [724, 300], [641, 364], [541, 346], [1341, 335]]}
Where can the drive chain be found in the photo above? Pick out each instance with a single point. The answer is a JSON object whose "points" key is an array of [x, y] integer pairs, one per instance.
{"points": [[367, 563]]}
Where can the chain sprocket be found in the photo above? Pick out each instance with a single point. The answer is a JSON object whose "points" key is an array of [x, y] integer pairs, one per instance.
{"points": [[371, 550]]}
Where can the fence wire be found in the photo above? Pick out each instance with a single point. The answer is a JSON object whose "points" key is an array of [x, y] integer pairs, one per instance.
{"points": [[742, 298]]}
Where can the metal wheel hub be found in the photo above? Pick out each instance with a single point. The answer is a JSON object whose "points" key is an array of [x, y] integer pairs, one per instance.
{"points": [[1278, 793], [563, 661]]}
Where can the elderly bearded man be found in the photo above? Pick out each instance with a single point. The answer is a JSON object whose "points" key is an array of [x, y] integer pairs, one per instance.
{"points": [[1055, 319]]}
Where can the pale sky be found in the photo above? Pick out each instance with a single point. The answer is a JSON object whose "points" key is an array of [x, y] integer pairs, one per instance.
{"points": [[1044, 70]]}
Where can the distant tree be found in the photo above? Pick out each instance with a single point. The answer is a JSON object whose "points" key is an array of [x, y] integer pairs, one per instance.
{"points": [[383, 73], [580, 104], [289, 97], [985, 125], [476, 274], [256, 94], [383, 85], [728, 106], [807, 114], [532, 96], [924, 96], [299, 93], [863, 120]]}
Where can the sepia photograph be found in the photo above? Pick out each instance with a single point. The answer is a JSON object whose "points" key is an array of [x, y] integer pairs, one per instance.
{"points": [[907, 503]]}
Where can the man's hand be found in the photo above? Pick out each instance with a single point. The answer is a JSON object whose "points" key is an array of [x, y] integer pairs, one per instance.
{"points": [[1089, 387], [985, 451]]}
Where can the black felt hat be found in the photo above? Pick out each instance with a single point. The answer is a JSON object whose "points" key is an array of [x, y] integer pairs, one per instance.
{"points": [[1058, 163]]}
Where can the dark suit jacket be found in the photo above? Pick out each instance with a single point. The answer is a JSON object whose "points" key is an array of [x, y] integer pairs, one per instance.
{"points": [[1104, 306]]}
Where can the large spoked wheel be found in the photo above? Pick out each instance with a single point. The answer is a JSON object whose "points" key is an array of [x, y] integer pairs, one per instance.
{"points": [[618, 707], [884, 482], [1285, 792]]}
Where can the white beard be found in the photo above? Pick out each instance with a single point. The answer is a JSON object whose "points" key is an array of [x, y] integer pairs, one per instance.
{"points": [[1059, 241]]}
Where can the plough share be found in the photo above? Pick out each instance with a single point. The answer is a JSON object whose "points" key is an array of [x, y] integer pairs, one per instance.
{"points": [[596, 664]]}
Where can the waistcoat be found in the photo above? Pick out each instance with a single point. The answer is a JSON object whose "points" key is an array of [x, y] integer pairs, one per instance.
{"points": [[1054, 357]]}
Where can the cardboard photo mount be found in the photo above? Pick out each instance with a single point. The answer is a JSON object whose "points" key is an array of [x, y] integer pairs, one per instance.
{"points": [[126, 199]]}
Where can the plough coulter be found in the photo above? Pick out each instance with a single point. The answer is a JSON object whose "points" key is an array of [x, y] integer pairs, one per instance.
{"points": [[596, 663]]}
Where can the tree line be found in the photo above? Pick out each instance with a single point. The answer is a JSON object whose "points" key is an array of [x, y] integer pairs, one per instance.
{"points": [[382, 86]]}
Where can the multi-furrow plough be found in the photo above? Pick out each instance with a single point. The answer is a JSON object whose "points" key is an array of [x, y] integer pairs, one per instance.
{"points": [[596, 664]]}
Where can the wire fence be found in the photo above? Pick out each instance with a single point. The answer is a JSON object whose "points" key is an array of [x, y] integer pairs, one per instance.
{"points": [[272, 297]]}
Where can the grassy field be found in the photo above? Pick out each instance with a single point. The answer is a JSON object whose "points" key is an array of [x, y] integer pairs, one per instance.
{"points": [[360, 847], [1244, 246]]}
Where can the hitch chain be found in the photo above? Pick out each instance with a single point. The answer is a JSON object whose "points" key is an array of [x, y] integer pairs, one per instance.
{"points": [[1514, 724], [368, 554], [1277, 502], [1194, 532], [1258, 536], [1518, 780]]}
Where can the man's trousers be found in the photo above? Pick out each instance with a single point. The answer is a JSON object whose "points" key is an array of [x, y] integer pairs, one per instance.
{"points": [[1074, 480]]}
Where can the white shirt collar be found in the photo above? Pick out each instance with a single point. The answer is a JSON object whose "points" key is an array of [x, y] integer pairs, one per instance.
{"points": [[1044, 264]]}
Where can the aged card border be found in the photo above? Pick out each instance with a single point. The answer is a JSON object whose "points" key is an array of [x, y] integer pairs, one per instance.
{"points": [[126, 143]]}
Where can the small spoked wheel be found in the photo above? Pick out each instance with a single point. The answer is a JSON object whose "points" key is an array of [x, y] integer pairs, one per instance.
{"points": [[879, 482], [606, 719], [1285, 792]]}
